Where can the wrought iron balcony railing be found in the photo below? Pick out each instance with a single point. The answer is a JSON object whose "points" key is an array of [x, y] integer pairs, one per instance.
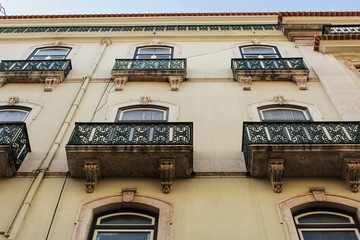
{"points": [[299, 133], [341, 29], [35, 66], [15, 135], [132, 133], [268, 64], [150, 64]]}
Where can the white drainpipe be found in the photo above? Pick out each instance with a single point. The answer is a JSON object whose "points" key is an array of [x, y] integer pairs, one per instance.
{"points": [[17, 221]]}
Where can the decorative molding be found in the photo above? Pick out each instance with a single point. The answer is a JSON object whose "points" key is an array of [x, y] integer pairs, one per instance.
{"points": [[58, 43], [280, 99], [300, 81], [13, 100], [145, 100], [155, 42], [255, 41], [319, 193], [352, 173], [175, 82], [92, 173], [276, 168], [128, 194], [167, 172], [120, 83], [245, 82], [50, 83]]}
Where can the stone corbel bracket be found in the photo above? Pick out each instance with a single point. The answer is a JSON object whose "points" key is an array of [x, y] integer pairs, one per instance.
{"points": [[167, 174], [245, 82], [175, 82], [275, 173], [3, 81], [300, 81], [352, 173], [120, 82], [50, 83], [92, 174]]}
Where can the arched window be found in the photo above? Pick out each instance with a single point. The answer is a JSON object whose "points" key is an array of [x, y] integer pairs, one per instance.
{"points": [[284, 113], [142, 113], [50, 53], [259, 51], [13, 114], [326, 225], [154, 52], [128, 224]]}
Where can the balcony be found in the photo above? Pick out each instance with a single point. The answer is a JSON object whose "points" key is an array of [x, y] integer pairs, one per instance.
{"points": [[302, 149], [341, 29], [51, 72], [14, 145], [158, 70], [246, 71], [131, 149]]}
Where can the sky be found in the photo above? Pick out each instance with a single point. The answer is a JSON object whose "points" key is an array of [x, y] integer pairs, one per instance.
{"points": [[49, 7]]}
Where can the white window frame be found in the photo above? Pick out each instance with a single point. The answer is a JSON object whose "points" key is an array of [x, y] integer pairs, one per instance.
{"points": [[313, 110], [275, 54], [5, 109], [34, 109], [304, 111], [287, 207], [98, 222], [153, 107], [37, 50], [172, 115], [154, 56]]}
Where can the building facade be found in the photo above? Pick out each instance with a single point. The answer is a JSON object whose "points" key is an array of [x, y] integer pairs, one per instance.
{"points": [[180, 126]]}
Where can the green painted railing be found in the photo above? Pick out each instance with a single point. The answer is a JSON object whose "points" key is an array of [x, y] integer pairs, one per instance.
{"points": [[35, 65], [161, 28], [239, 64], [299, 133], [15, 135], [341, 29], [150, 64], [132, 133]]}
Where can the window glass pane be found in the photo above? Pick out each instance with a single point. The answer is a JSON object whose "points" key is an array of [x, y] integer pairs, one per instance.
{"points": [[258, 50], [12, 116], [284, 114], [154, 51], [51, 51], [143, 115], [333, 235], [323, 218], [126, 219], [123, 236]]}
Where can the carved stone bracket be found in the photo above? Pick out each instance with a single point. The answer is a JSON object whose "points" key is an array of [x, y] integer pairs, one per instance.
{"points": [[300, 81], [92, 173], [3, 81], [276, 168], [13, 100], [120, 83], [50, 82], [175, 82], [245, 82], [279, 99], [167, 172], [352, 173], [145, 100], [319, 193], [128, 194]]}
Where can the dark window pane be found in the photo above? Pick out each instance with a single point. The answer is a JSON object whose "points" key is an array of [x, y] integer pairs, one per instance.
{"points": [[123, 236], [333, 235], [324, 218], [126, 219], [258, 50], [154, 51]]}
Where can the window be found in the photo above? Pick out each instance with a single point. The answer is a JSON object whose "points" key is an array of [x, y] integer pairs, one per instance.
{"points": [[127, 225], [50, 53], [13, 114], [154, 52], [326, 225], [259, 51], [142, 113], [284, 113]]}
